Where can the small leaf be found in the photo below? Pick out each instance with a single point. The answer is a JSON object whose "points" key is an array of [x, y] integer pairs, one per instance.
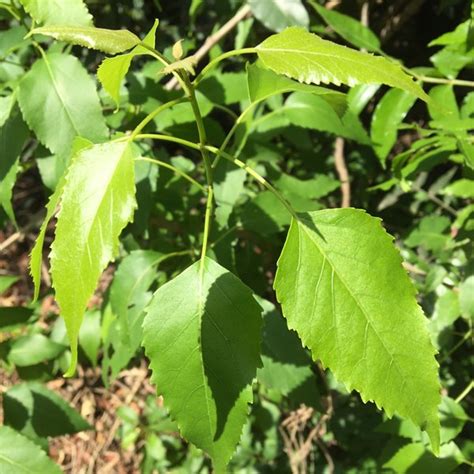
{"points": [[52, 12], [388, 115], [89, 336], [263, 83], [462, 188], [54, 110], [308, 58], [34, 349], [101, 39], [177, 50], [19, 454], [6, 281], [188, 64], [37, 413], [466, 297], [202, 335], [112, 71], [343, 289], [350, 29], [276, 15], [98, 202]]}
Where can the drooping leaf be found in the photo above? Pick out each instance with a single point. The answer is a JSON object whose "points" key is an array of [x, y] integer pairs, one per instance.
{"points": [[202, 335], [59, 101], [101, 39], [388, 115], [98, 202], [306, 57], [343, 289], [112, 71], [52, 12], [263, 83], [276, 15], [37, 413], [34, 349], [20, 455], [13, 136], [350, 29], [359, 96], [36, 254]]}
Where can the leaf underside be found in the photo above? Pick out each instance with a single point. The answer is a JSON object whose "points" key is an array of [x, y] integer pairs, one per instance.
{"points": [[98, 202], [343, 289]]}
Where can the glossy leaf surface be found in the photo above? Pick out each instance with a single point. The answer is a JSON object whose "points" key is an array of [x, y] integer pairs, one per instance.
{"points": [[276, 15], [52, 12], [202, 335], [343, 289]]}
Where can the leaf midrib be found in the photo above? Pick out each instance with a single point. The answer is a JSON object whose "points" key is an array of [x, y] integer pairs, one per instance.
{"points": [[360, 306]]}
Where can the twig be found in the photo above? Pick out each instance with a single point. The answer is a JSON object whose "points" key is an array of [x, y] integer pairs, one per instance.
{"points": [[436, 200], [20, 235], [341, 169], [213, 39], [465, 392]]}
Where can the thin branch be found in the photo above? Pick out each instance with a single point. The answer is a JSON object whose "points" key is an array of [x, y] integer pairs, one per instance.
{"points": [[214, 39], [342, 172]]}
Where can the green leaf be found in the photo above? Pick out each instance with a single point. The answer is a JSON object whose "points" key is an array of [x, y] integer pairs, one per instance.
{"points": [[414, 457], [89, 336], [350, 29], [38, 413], [359, 96], [263, 83], [202, 336], [343, 289], [52, 12], [13, 136], [462, 188], [14, 317], [36, 254], [20, 455], [313, 112], [308, 58], [129, 296], [388, 115], [98, 202], [112, 71], [466, 297], [429, 233], [59, 101], [6, 281], [101, 39], [34, 349], [276, 15], [286, 365]]}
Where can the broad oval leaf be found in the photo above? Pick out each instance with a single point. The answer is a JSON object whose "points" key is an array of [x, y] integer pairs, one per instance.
{"points": [[306, 57], [107, 41], [34, 349], [343, 289], [98, 201], [350, 29], [388, 115], [59, 101], [202, 335], [276, 15], [19, 454], [52, 12]]}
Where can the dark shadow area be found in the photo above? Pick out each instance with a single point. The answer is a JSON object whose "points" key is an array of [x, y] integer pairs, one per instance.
{"points": [[231, 333], [12, 317]]}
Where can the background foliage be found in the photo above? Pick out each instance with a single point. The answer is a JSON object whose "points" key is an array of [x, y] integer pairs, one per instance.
{"points": [[401, 160]]}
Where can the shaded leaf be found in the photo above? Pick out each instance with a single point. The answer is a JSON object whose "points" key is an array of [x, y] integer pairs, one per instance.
{"points": [[34, 349], [37, 413], [343, 289], [276, 15], [308, 58], [89, 336], [19, 454], [202, 335], [98, 202]]}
